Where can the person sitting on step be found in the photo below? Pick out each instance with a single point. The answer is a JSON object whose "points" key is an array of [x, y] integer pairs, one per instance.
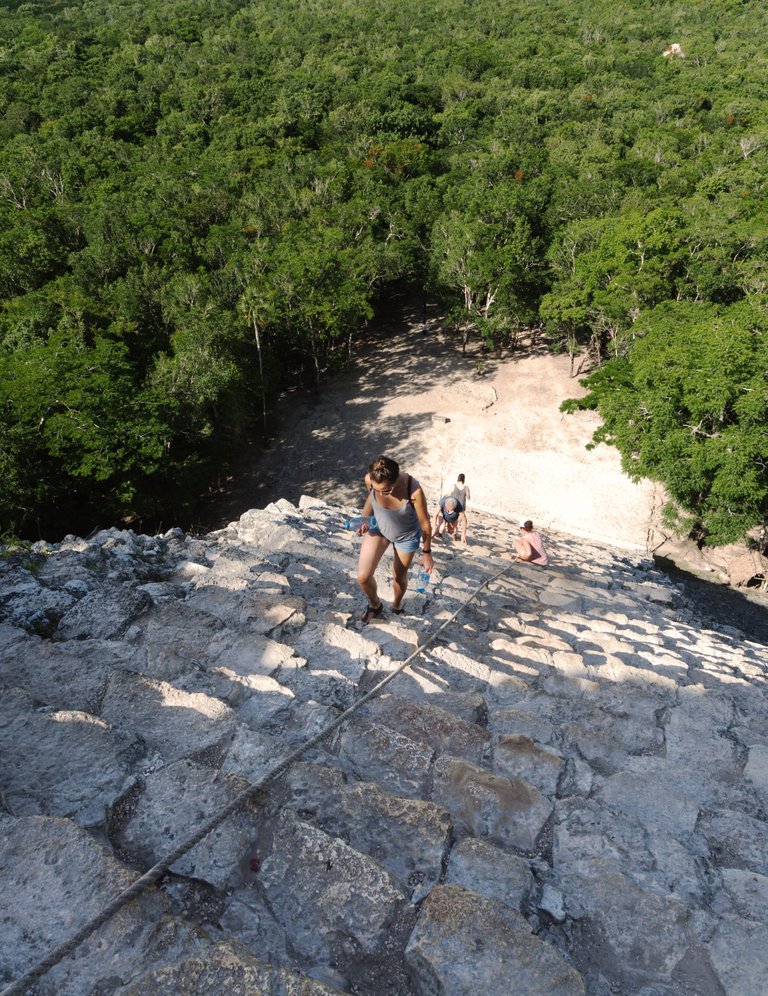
{"points": [[530, 546]]}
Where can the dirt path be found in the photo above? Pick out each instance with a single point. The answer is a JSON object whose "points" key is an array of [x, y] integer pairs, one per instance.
{"points": [[416, 398]]}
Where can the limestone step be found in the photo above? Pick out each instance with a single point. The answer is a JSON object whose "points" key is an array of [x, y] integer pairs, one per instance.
{"points": [[410, 838], [566, 792]]}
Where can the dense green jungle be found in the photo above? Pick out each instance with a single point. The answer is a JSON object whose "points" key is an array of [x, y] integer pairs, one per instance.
{"points": [[203, 202]]}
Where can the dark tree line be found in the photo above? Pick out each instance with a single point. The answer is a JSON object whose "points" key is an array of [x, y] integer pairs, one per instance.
{"points": [[198, 201]]}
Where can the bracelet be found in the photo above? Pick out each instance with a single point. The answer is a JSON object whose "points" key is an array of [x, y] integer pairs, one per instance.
{"points": [[425, 550]]}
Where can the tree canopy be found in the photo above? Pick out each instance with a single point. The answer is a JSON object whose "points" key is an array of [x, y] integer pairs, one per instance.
{"points": [[198, 201]]}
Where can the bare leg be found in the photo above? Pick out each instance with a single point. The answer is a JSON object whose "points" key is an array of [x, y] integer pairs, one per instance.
{"points": [[371, 552], [463, 526], [400, 566], [524, 549]]}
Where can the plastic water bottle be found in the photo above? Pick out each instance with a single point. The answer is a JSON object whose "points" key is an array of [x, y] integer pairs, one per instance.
{"points": [[361, 520], [422, 581]]}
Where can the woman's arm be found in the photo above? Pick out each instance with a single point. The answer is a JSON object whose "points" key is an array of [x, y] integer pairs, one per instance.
{"points": [[420, 504], [367, 509], [368, 506]]}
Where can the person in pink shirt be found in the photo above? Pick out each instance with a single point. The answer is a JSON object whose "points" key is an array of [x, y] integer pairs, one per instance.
{"points": [[530, 546]]}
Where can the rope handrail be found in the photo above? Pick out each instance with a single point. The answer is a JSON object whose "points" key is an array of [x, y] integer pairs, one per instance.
{"points": [[153, 874]]}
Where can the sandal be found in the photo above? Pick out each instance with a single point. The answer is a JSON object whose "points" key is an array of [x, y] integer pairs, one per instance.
{"points": [[398, 612], [370, 613]]}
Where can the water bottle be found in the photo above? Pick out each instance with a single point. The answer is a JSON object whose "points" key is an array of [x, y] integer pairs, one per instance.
{"points": [[361, 520], [422, 581]]}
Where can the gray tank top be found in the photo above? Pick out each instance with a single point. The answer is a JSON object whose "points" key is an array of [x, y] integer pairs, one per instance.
{"points": [[460, 494], [397, 524]]}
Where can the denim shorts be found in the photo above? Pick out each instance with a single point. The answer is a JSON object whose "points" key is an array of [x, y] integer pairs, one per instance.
{"points": [[408, 545]]}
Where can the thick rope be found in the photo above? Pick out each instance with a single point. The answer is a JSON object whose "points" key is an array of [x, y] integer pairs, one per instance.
{"points": [[155, 873]]}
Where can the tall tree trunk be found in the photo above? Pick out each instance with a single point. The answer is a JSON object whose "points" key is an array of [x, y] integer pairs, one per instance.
{"points": [[316, 364], [257, 337]]}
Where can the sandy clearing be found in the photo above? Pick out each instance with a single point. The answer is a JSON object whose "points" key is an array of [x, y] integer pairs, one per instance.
{"points": [[504, 431]]}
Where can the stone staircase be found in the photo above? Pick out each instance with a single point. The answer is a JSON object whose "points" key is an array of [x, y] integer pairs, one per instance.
{"points": [[566, 793]]}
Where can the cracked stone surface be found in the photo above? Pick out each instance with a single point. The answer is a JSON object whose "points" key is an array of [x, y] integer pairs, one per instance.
{"points": [[565, 793]]}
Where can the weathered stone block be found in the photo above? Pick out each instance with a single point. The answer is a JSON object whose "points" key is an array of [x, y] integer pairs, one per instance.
{"points": [[508, 811], [376, 753], [738, 955], [629, 935], [225, 968], [430, 725], [177, 723], [517, 756], [463, 945], [102, 614], [327, 895], [166, 806], [60, 763], [408, 836], [736, 840], [488, 871]]}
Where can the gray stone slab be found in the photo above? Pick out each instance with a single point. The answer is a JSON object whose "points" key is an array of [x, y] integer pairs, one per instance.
{"points": [[651, 801], [696, 734], [517, 756], [56, 877], [507, 689], [177, 626], [632, 725], [327, 896], [409, 837], [736, 840], [631, 936], [739, 955], [332, 647], [655, 676], [654, 859], [177, 723], [265, 698], [330, 688], [746, 894], [417, 686], [166, 806], [431, 725], [10, 638], [456, 670], [489, 871], [54, 676], [507, 811], [61, 763], [756, 770], [463, 945], [252, 754], [278, 615], [511, 721], [560, 600], [225, 968], [243, 658], [103, 614], [375, 753]]}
